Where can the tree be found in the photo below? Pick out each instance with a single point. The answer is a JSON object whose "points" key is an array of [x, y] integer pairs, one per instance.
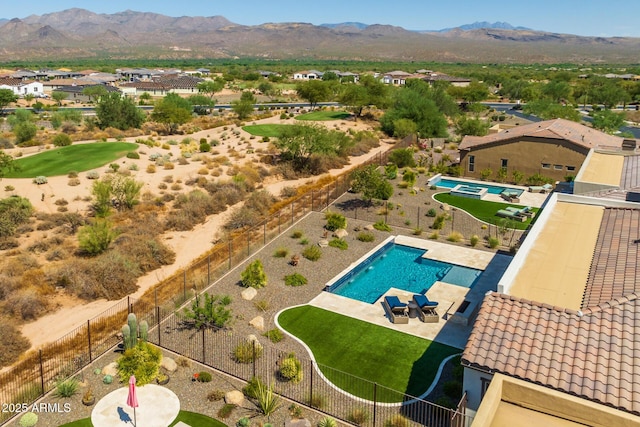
{"points": [[547, 110], [402, 157], [6, 164], [22, 125], [29, 98], [369, 91], [211, 87], [298, 143], [268, 89], [95, 238], [411, 103], [557, 91], [314, 91], [58, 96], [209, 311], [94, 92], [244, 106], [254, 276], [201, 104], [475, 92], [172, 111], [475, 127], [371, 183], [115, 190], [7, 97], [608, 121], [114, 110]]}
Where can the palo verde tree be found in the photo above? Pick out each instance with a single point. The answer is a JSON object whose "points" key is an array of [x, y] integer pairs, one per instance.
{"points": [[94, 92], [7, 97], [243, 107], [608, 121], [172, 111], [117, 111], [115, 190], [369, 91], [211, 87], [22, 125], [371, 183], [6, 164], [314, 91]]}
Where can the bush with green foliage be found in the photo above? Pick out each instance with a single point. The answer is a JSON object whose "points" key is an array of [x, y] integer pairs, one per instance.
{"points": [[381, 226], [431, 213], [438, 223], [133, 155], [243, 422], [391, 171], [268, 401], [339, 243], [143, 361], [95, 238], [365, 236], [204, 377], [29, 419], [207, 311], [296, 234], [14, 211], [107, 379], [226, 410], [409, 177], [254, 276], [61, 140], [247, 351], [358, 416], [291, 369], [281, 253], [402, 157], [327, 422], [66, 388], [251, 389], [312, 253], [397, 420], [335, 221], [205, 147], [295, 279], [473, 240], [274, 335], [493, 242]]}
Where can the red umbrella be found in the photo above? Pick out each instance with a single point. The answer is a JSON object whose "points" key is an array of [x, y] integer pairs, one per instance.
{"points": [[132, 399]]}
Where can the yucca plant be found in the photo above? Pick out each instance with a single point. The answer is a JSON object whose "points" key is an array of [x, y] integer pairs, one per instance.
{"points": [[66, 388], [268, 401]]}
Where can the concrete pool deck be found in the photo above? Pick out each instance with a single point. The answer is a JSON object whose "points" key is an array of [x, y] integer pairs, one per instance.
{"points": [[446, 331]]}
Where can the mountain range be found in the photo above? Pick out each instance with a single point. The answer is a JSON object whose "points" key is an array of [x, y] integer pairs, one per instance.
{"points": [[79, 33]]}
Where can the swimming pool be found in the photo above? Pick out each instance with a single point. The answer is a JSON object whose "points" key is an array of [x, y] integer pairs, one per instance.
{"points": [[492, 188], [401, 267]]}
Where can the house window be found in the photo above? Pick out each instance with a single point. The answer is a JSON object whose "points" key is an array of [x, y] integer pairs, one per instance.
{"points": [[571, 168], [546, 166], [503, 163], [472, 163], [558, 167], [484, 386]]}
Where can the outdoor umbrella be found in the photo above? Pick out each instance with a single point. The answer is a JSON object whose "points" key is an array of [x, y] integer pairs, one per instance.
{"points": [[132, 399]]}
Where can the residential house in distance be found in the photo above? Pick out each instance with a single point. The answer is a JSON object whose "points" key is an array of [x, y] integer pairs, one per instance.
{"points": [[162, 85], [22, 87], [558, 343], [75, 92], [553, 148], [308, 75], [432, 77]]}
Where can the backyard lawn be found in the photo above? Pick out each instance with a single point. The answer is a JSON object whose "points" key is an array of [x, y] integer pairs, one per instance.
{"points": [[270, 130], [79, 158], [318, 116], [484, 210], [189, 418], [392, 359]]}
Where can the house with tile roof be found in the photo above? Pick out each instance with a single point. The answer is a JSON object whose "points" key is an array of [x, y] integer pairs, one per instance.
{"points": [[162, 85], [22, 87], [559, 342], [553, 148]]}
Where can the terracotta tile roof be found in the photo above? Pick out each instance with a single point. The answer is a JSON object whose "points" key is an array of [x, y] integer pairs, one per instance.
{"points": [[10, 81], [629, 181], [593, 354], [615, 269], [560, 129]]}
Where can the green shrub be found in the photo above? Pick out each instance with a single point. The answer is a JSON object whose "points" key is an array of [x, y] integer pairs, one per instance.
{"points": [[291, 369], [254, 275], [204, 377], [455, 236], [108, 379], [40, 180], [312, 253], [335, 221], [205, 147], [66, 388], [61, 140], [327, 422], [391, 171], [402, 157], [215, 396], [274, 335], [143, 361], [438, 223], [243, 422], [397, 420], [409, 177], [473, 240], [296, 234], [339, 243], [365, 236], [251, 389], [281, 253], [358, 416], [381, 226], [133, 155], [295, 279], [247, 351], [317, 401], [29, 419], [417, 231], [493, 242], [93, 175], [431, 213], [226, 410]]}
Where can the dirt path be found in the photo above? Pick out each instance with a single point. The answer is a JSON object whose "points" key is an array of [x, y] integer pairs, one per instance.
{"points": [[188, 246]]}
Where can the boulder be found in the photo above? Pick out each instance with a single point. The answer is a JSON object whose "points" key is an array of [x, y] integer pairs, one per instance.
{"points": [[323, 243], [297, 422], [234, 397], [369, 227], [258, 323], [168, 364], [110, 369], [340, 233], [249, 294]]}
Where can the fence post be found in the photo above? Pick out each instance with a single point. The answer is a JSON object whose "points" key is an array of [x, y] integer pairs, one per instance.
{"points": [[356, 211], [253, 349], [264, 233], [327, 202], [311, 383], [184, 285], [128, 304], [204, 347], [41, 372], [229, 252], [292, 203], [279, 212], [89, 339], [158, 317], [248, 238], [375, 402], [208, 270]]}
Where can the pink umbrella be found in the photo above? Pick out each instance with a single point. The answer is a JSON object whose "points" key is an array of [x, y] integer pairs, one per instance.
{"points": [[132, 399]]}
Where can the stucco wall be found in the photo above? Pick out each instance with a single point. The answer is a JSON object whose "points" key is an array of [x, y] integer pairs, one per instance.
{"points": [[472, 384], [527, 156]]}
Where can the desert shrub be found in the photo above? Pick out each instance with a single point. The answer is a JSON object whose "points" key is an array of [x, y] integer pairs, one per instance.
{"points": [[473, 240], [133, 155], [226, 410], [327, 422], [9, 188], [281, 253], [296, 234], [438, 223], [335, 221], [317, 401], [417, 231], [391, 171], [312, 253], [215, 395], [402, 157], [274, 335], [204, 377], [339, 243], [287, 192], [183, 362], [13, 343], [66, 388], [455, 236], [365, 236], [151, 169], [247, 351], [168, 166], [358, 416], [143, 361], [295, 279], [291, 369], [397, 420], [208, 311], [251, 389], [262, 305], [29, 419], [61, 140], [93, 175], [431, 213], [243, 422], [381, 226], [254, 275], [434, 236], [26, 304], [493, 242], [95, 238], [40, 180]]}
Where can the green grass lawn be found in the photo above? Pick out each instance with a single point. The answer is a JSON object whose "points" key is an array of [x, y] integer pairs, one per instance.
{"points": [[190, 418], [392, 359], [271, 130], [484, 210], [318, 116], [79, 158]]}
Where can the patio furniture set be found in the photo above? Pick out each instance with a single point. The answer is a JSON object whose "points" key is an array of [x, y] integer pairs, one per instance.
{"points": [[420, 306]]}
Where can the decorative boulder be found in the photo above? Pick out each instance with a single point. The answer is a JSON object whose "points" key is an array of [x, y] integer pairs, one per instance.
{"points": [[323, 243], [340, 233], [297, 422], [168, 364], [369, 227], [110, 369], [258, 323], [234, 397], [249, 293]]}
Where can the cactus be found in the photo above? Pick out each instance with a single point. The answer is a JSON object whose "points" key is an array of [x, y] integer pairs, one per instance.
{"points": [[144, 330], [132, 321], [126, 336]]}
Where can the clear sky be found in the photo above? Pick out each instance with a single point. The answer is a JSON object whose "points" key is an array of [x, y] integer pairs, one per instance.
{"points": [[582, 17]]}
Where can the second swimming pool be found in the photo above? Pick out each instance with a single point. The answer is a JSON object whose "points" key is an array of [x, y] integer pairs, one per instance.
{"points": [[399, 267]]}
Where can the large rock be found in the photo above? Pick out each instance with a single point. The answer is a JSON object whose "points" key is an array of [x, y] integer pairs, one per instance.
{"points": [[297, 422], [323, 243], [340, 233], [369, 227], [258, 323], [234, 397], [168, 364], [110, 369], [249, 294]]}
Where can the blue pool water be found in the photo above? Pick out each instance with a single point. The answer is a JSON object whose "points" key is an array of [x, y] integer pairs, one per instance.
{"points": [[493, 189], [399, 267]]}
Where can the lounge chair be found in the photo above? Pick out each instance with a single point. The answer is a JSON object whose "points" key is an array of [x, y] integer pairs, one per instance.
{"points": [[504, 213], [540, 188], [426, 309], [526, 211], [395, 309], [510, 196]]}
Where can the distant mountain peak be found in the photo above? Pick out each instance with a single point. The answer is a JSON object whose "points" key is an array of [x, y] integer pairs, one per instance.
{"points": [[358, 25], [484, 24]]}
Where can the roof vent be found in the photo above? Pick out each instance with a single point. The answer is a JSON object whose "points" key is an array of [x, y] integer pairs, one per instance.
{"points": [[580, 314]]}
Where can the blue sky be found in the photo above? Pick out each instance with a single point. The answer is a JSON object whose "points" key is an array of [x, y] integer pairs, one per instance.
{"points": [[584, 17]]}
